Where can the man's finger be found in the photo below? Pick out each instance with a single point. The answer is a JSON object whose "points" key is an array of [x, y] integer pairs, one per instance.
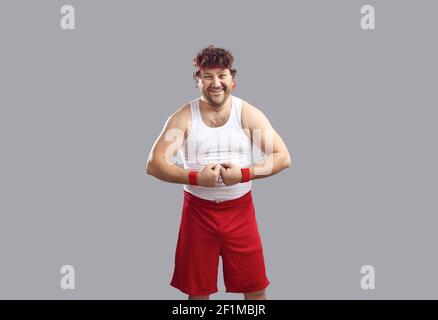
{"points": [[226, 164], [212, 165]]}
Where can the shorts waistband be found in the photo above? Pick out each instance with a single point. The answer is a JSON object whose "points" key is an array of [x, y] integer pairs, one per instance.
{"points": [[247, 197]]}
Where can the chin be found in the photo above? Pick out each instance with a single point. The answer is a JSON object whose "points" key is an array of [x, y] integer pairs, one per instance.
{"points": [[215, 102]]}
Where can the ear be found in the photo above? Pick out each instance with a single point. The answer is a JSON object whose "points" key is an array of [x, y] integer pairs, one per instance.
{"points": [[198, 83]]}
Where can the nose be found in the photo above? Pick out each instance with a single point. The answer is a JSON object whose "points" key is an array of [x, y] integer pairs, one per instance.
{"points": [[216, 82]]}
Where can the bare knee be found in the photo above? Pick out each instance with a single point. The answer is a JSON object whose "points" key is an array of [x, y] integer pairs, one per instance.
{"points": [[206, 297], [256, 295]]}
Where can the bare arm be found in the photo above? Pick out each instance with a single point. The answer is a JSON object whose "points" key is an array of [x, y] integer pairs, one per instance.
{"points": [[165, 147], [267, 139]]}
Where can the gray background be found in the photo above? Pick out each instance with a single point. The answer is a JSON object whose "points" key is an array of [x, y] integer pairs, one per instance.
{"points": [[81, 109]]}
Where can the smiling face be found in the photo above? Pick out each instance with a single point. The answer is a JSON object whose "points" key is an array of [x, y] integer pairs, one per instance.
{"points": [[215, 85]]}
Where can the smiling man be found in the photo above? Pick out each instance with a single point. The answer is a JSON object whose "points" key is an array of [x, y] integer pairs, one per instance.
{"points": [[215, 135]]}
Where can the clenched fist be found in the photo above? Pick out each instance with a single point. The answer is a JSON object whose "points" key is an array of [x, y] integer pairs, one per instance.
{"points": [[209, 175], [230, 173]]}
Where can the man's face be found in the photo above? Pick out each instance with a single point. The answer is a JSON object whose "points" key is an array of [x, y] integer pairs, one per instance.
{"points": [[215, 85]]}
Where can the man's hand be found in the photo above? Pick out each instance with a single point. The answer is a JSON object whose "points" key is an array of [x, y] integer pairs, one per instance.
{"points": [[209, 175], [230, 173]]}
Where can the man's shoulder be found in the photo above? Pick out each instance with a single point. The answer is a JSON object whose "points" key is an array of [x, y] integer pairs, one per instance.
{"points": [[249, 107], [181, 115], [249, 113], [184, 110]]}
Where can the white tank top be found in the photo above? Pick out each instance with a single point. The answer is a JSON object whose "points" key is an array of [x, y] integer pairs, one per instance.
{"points": [[227, 143]]}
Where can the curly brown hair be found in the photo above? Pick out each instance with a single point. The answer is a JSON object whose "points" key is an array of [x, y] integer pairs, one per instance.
{"points": [[212, 57]]}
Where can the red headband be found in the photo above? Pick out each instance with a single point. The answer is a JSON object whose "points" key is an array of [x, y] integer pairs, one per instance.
{"points": [[211, 67]]}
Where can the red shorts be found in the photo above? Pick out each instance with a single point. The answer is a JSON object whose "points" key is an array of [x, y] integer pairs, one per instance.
{"points": [[208, 230]]}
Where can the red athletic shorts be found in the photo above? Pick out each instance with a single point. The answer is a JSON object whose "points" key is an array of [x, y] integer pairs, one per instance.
{"points": [[208, 230]]}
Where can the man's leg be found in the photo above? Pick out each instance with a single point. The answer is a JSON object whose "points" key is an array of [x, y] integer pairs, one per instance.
{"points": [[207, 297], [197, 252], [256, 295], [242, 252]]}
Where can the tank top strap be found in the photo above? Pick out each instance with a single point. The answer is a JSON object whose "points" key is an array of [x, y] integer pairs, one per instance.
{"points": [[237, 102], [194, 108]]}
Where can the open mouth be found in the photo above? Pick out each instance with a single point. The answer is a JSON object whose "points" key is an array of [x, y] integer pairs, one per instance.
{"points": [[216, 91]]}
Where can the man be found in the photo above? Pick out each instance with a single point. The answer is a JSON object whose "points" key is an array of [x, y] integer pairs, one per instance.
{"points": [[215, 135]]}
